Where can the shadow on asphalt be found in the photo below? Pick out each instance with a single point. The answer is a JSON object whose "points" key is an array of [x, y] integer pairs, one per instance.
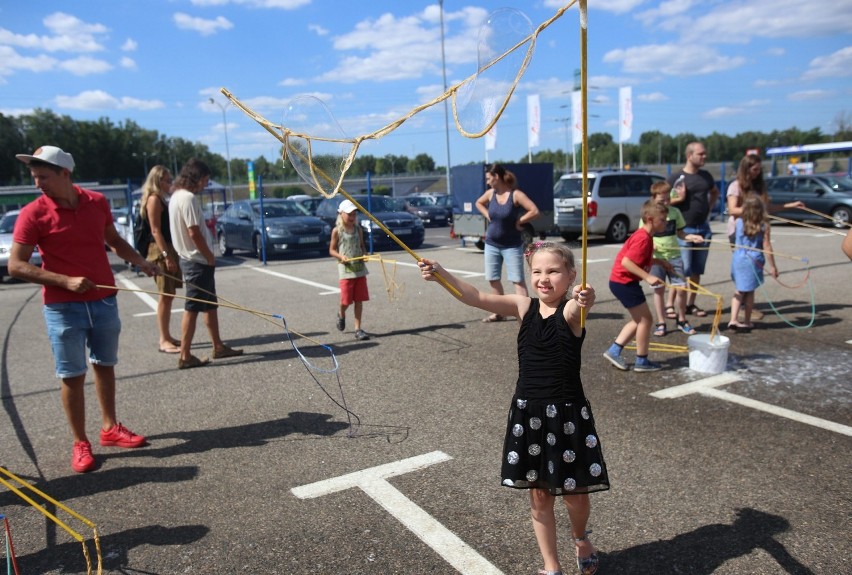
{"points": [[703, 551], [115, 548]]}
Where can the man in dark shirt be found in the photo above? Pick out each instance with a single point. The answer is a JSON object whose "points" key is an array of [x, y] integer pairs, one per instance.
{"points": [[696, 196]]}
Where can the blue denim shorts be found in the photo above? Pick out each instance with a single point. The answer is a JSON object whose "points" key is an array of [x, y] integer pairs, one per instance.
{"points": [[514, 258], [674, 277], [74, 326], [695, 260]]}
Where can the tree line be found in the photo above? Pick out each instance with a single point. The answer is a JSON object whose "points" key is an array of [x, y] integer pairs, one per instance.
{"points": [[112, 153]]}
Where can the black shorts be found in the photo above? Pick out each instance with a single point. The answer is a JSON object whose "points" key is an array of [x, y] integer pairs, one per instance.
{"points": [[200, 285]]}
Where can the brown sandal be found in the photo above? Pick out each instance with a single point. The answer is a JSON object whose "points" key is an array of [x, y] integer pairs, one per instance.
{"points": [[192, 362]]}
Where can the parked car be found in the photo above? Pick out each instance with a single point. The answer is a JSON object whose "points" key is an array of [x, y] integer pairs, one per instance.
{"points": [[827, 194], [310, 203], [424, 207], [7, 226], [405, 226], [288, 228], [615, 198]]}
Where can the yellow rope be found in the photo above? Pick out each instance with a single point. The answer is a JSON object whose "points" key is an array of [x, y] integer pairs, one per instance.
{"points": [[390, 278], [826, 216], [804, 225], [584, 162], [53, 518]]}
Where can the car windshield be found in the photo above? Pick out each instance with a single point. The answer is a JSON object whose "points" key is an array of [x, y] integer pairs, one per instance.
{"points": [[839, 184], [419, 202], [379, 203], [570, 187], [280, 210], [7, 224]]}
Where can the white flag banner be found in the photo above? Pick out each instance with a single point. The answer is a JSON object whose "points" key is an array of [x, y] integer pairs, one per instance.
{"points": [[533, 121], [625, 107], [491, 138], [576, 119]]}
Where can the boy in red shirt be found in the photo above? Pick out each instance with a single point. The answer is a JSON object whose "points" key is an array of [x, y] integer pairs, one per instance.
{"points": [[632, 265]]}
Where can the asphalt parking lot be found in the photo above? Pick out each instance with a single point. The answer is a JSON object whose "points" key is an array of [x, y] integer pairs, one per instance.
{"points": [[254, 467]]}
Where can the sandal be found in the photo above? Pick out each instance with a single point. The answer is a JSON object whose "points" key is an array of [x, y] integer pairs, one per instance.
{"points": [[670, 313], [685, 327], [493, 318], [587, 565], [696, 311], [660, 329], [192, 362], [739, 327]]}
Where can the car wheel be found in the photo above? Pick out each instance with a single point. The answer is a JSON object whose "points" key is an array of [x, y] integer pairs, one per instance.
{"points": [[618, 229], [842, 216], [569, 236], [255, 247], [223, 245], [527, 235]]}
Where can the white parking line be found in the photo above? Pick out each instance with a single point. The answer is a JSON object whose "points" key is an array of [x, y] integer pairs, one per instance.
{"points": [[328, 289], [146, 298], [707, 387], [374, 483]]}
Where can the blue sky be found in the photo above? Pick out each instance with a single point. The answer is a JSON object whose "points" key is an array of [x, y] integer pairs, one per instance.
{"points": [[717, 65]]}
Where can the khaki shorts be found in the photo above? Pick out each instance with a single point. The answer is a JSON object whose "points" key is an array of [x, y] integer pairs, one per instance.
{"points": [[165, 283]]}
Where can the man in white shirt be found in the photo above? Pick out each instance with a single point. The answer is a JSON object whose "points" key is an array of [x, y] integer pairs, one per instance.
{"points": [[192, 241]]}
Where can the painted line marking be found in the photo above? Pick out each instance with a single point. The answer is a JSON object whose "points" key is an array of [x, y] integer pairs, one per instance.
{"points": [[145, 297], [779, 411], [708, 387], [374, 483], [328, 289], [463, 273]]}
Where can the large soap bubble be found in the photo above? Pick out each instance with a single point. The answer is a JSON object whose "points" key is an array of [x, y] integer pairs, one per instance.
{"points": [[316, 145], [504, 48]]}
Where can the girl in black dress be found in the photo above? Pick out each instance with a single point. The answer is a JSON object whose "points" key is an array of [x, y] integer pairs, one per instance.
{"points": [[551, 446]]}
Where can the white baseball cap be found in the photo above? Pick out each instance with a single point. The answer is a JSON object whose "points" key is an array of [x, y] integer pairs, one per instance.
{"points": [[49, 155], [346, 207]]}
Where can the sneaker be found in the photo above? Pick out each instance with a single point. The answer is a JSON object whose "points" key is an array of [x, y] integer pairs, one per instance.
{"points": [[82, 459], [120, 436], [361, 335], [341, 323], [615, 359], [643, 365]]}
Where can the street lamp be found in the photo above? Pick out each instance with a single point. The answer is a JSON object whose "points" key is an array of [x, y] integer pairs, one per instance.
{"points": [[145, 156], [391, 159], [227, 149]]}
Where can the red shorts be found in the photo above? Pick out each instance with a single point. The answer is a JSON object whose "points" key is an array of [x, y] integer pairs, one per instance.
{"points": [[353, 289]]}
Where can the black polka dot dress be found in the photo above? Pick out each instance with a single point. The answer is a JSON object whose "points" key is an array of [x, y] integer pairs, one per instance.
{"points": [[551, 442]]}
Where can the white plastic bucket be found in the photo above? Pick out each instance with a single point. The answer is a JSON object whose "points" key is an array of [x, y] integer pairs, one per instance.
{"points": [[708, 356]]}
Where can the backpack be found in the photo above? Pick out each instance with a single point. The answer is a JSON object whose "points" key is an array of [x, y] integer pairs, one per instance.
{"points": [[142, 237]]}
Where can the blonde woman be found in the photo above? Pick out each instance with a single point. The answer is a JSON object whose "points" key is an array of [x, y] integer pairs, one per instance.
{"points": [[154, 209]]}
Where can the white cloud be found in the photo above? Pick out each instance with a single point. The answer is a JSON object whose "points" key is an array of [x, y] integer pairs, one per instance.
{"points": [[735, 110], [11, 61], [128, 63], [318, 30], [652, 97], [100, 100], [279, 4], [84, 66], [836, 65], [289, 82], [672, 60], [129, 45], [62, 24], [203, 26], [615, 6], [806, 95]]}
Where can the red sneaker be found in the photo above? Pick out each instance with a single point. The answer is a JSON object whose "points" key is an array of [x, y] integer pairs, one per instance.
{"points": [[82, 459], [120, 436]]}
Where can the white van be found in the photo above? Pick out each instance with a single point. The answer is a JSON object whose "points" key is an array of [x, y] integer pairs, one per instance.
{"points": [[615, 199]]}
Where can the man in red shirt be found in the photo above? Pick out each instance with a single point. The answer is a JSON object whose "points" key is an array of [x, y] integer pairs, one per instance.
{"points": [[70, 226]]}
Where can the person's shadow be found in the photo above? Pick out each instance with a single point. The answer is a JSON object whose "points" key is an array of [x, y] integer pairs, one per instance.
{"points": [[704, 550], [115, 548]]}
